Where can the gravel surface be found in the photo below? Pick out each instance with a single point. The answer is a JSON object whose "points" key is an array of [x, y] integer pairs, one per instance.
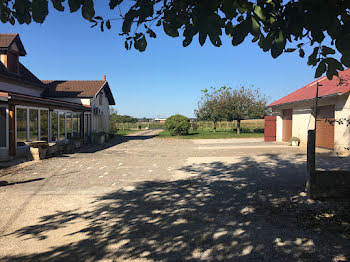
{"points": [[140, 198]]}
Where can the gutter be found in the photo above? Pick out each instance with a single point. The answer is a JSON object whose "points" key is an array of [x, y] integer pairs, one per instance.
{"points": [[305, 100]]}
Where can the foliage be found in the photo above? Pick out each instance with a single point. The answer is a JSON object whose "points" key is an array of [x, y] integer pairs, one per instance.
{"points": [[209, 134], [275, 25], [243, 103], [210, 107], [178, 125], [194, 125], [230, 104]]}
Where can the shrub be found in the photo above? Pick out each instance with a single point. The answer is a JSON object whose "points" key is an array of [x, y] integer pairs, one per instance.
{"points": [[178, 125]]}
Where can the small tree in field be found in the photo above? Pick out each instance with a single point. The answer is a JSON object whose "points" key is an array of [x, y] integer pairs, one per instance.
{"points": [[210, 107], [243, 103], [178, 125]]}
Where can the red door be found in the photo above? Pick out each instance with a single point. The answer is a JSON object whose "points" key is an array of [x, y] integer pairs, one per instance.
{"points": [[270, 128], [325, 127]]}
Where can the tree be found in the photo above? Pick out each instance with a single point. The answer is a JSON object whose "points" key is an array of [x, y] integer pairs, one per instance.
{"points": [[210, 107], [178, 125], [243, 103], [277, 26]]}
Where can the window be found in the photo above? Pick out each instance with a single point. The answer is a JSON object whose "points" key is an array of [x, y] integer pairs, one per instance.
{"points": [[21, 124], [76, 124], [33, 125], [69, 125], [62, 125], [54, 126], [44, 125], [100, 98], [3, 127]]}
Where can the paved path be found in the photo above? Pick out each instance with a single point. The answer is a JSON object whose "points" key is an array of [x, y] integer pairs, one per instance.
{"points": [[146, 199]]}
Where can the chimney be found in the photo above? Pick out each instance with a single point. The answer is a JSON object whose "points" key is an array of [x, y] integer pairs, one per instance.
{"points": [[104, 78]]}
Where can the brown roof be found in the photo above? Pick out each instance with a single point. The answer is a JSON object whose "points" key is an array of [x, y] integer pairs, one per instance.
{"points": [[7, 39], [77, 88]]}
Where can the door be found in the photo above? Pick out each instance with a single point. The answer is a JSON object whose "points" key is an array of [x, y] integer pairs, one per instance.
{"points": [[287, 124], [325, 127], [270, 128]]}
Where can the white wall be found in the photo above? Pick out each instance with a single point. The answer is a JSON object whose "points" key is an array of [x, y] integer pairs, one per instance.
{"points": [[26, 90], [304, 120], [100, 123], [342, 131]]}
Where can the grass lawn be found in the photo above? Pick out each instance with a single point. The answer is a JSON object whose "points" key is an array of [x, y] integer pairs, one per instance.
{"points": [[209, 134]]}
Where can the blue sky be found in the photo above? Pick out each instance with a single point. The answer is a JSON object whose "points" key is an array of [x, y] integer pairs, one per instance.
{"points": [[166, 78]]}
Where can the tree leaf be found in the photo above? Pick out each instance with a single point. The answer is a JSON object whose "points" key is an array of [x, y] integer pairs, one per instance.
{"points": [[114, 3], [321, 68], [88, 10], [301, 53], [74, 5], [57, 4], [39, 10], [259, 12], [108, 24]]}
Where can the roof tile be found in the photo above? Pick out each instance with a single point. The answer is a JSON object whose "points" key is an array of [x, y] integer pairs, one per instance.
{"points": [[327, 87]]}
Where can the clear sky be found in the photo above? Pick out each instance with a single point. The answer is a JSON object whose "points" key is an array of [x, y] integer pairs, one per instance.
{"points": [[166, 78]]}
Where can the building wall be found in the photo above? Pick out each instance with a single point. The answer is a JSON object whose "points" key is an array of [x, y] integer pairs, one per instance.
{"points": [[342, 131], [100, 123], [26, 90], [304, 120]]}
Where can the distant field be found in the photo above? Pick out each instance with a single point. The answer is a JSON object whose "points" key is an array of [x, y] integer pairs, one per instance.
{"points": [[245, 124], [209, 134]]}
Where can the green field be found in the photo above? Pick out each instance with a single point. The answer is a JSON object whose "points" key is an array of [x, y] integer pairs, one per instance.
{"points": [[125, 132], [257, 124], [208, 134]]}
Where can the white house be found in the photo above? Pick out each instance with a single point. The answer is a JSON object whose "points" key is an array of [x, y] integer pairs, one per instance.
{"points": [[52, 111], [295, 113]]}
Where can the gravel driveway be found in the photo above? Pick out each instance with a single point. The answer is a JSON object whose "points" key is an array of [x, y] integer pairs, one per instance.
{"points": [[146, 199]]}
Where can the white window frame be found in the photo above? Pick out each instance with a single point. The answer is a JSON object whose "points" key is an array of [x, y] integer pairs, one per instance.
{"points": [[7, 127], [48, 123], [39, 124]]}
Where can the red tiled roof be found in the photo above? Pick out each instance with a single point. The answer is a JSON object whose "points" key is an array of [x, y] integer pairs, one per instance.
{"points": [[77, 88], [72, 88], [338, 85]]}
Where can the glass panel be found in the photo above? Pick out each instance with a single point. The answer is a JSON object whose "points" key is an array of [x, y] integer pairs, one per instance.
{"points": [[21, 126], [44, 125], [76, 125], [86, 125], [54, 126], [3, 126], [62, 126], [33, 125], [69, 125]]}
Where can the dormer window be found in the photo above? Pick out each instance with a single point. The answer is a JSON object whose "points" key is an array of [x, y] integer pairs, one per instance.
{"points": [[11, 48], [12, 63]]}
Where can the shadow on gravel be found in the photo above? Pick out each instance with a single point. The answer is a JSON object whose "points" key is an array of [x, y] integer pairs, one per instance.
{"points": [[248, 211], [5, 183], [113, 142]]}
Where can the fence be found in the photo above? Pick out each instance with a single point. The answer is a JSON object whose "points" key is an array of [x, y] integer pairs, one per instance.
{"points": [[257, 124]]}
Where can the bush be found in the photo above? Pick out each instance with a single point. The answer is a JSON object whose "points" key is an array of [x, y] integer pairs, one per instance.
{"points": [[178, 125]]}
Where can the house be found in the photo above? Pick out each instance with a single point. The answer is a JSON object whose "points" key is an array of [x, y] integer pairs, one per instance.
{"points": [[52, 111], [295, 113], [159, 120]]}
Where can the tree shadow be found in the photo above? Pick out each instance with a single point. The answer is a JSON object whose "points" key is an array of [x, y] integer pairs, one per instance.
{"points": [[251, 210], [5, 183]]}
